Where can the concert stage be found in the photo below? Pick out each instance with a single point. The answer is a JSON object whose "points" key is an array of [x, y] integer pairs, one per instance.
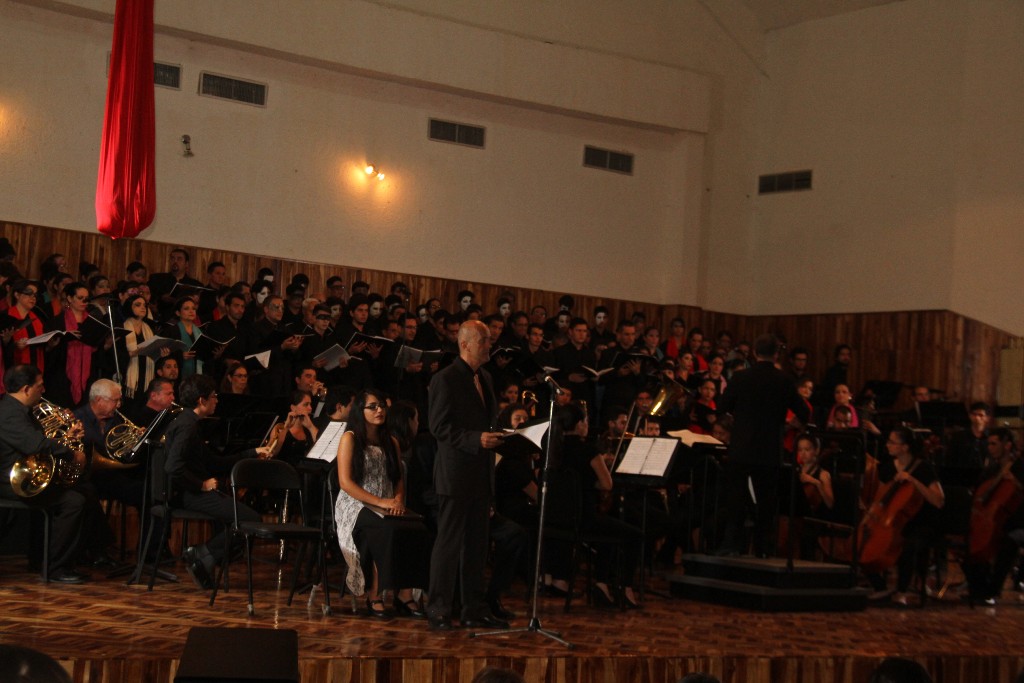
{"points": [[104, 631]]}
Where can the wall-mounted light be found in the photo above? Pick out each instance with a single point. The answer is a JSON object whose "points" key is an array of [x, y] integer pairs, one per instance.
{"points": [[186, 142], [371, 169]]}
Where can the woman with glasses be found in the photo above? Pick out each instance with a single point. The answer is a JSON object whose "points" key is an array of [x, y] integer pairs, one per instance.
{"points": [[71, 363], [382, 550], [24, 294], [236, 378]]}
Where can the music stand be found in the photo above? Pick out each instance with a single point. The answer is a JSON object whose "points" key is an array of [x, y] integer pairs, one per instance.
{"points": [[646, 464], [535, 625], [145, 440]]}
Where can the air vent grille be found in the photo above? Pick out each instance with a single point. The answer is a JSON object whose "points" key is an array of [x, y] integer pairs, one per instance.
{"points": [[235, 89], [607, 160], [792, 181], [167, 75], [459, 133]]}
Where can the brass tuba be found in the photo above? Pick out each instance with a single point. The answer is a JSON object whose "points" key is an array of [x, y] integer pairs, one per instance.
{"points": [[31, 474], [119, 442]]}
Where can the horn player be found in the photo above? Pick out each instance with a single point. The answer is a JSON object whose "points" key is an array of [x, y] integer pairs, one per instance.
{"points": [[21, 436]]}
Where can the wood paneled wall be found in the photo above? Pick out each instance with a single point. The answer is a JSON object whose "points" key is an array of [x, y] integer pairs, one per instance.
{"points": [[947, 351]]}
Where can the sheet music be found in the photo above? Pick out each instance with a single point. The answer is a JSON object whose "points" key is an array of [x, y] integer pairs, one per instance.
{"points": [[647, 457], [689, 438], [535, 433], [326, 447]]}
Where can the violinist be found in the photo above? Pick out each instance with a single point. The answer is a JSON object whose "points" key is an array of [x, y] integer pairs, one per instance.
{"points": [[814, 496], [919, 531], [1001, 483]]}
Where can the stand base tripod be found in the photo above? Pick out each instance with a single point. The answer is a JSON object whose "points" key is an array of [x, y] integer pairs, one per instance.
{"points": [[534, 627]]}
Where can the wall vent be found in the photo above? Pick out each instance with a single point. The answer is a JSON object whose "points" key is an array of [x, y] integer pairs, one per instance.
{"points": [[167, 75], [784, 182], [607, 160], [459, 133], [225, 87]]}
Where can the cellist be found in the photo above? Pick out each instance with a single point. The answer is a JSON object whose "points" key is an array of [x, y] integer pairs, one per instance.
{"points": [[986, 572], [919, 532]]}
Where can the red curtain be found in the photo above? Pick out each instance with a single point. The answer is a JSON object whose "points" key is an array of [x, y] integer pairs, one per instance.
{"points": [[126, 188]]}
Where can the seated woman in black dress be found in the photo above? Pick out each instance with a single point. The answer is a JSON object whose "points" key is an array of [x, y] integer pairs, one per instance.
{"points": [[382, 550], [297, 433], [589, 469]]}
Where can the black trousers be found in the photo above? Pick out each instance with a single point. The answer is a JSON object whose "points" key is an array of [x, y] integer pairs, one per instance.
{"points": [[736, 501], [67, 508], [511, 551], [460, 554], [219, 506]]}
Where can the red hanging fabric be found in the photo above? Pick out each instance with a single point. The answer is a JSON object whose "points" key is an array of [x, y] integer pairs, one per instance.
{"points": [[126, 188]]}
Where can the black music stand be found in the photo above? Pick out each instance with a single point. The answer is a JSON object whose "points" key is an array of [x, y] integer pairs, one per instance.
{"points": [[535, 626], [145, 441], [646, 464]]}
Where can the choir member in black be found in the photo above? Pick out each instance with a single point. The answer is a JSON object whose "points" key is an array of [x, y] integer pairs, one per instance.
{"points": [[1003, 468], [162, 284], [516, 330], [269, 334], [298, 433], [70, 508], [622, 383], [71, 364], [532, 361], [16, 349], [184, 328], [231, 328], [570, 360], [216, 277], [590, 472], [921, 532], [193, 468], [321, 337], [601, 338]]}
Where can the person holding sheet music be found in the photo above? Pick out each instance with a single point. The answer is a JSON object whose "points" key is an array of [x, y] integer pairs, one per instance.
{"points": [[231, 328], [185, 329], [17, 350], [71, 363], [268, 334], [572, 358], [622, 383], [321, 338], [139, 369], [382, 550], [162, 285]]}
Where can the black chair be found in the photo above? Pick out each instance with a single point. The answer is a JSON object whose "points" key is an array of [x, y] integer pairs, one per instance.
{"points": [[565, 525], [275, 477], [163, 508], [9, 504]]}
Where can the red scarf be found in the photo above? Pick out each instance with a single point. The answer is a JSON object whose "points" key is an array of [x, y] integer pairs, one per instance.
{"points": [[25, 356], [79, 361]]}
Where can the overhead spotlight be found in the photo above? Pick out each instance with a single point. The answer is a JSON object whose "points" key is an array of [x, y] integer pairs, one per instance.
{"points": [[372, 169]]}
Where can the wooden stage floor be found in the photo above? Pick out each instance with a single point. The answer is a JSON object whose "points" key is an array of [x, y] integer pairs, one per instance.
{"points": [[104, 631]]}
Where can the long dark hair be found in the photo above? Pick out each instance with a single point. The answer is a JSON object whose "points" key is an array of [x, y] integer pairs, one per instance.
{"points": [[399, 423], [357, 425]]}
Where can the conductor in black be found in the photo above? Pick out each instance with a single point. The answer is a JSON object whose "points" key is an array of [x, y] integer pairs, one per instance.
{"points": [[758, 399]]}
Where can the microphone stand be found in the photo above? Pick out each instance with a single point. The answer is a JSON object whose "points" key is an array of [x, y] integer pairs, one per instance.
{"points": [[535, 625]]}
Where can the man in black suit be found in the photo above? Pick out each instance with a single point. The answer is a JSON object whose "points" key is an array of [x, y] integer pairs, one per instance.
{"points": [[757, 399], [463, 410]]}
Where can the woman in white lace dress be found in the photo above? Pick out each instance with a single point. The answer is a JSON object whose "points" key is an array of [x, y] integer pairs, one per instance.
{"points": [[383, 551]]}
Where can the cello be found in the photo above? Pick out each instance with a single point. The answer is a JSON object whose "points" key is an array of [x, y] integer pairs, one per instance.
{"points": [[881, 529], [994, 502]]}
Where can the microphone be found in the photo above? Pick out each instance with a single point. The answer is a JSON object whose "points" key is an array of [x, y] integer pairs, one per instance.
{"points": [[550, 381]]}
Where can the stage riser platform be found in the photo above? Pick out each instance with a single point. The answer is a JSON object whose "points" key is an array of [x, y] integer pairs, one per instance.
{"points": [[769, 572]]}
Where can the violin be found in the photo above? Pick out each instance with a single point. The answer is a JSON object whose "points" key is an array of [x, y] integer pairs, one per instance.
{"points": [[993, 503], [881, 529]]}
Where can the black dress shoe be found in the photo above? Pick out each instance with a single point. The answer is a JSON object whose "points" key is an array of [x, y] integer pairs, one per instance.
{"points": [[409, 608], [498, 610], [104, 562], [598, 597], [197, 570], [68, 576], [439, 623], [486, 621], [375, 608]]}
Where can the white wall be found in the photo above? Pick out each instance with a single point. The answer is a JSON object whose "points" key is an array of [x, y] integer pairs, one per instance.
{"points": [[910, 116], [352, 81]]}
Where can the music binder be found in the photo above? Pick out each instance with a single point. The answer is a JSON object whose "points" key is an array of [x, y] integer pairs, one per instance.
{"points": [[647, 458]]}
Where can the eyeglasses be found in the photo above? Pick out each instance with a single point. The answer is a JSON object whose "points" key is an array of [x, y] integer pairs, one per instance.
{"points": [[374, 407], [243, 375], [275, 307], [28, 292]]}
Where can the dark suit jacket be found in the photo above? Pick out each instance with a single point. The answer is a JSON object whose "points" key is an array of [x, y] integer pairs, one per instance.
{"points": [[189, 461], [462, 467], [758, 399], [22, 435]]}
